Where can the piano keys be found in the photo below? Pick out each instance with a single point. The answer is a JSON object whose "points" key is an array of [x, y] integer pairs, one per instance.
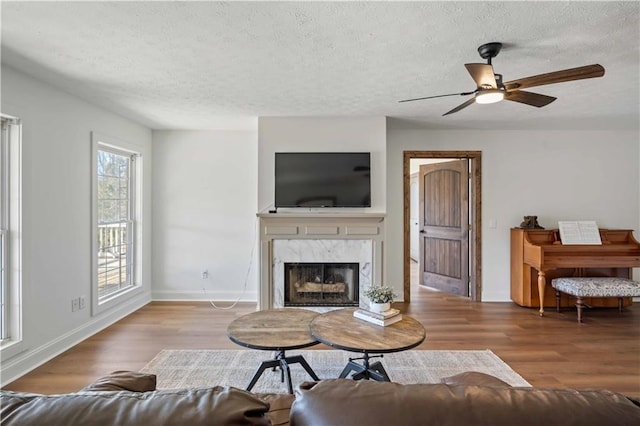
{"points": [[538, 256]]}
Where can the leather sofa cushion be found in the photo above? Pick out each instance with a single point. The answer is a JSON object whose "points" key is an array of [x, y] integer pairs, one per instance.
{"points": [[279, 407], [123, 380], [347, 402], [192, 407]]}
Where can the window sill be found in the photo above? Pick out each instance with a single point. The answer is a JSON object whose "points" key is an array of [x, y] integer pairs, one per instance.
{"points": [[10, 348], [117, 299]]}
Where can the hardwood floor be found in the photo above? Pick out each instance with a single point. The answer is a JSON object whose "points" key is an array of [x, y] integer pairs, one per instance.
{"points": [[553, 351]]}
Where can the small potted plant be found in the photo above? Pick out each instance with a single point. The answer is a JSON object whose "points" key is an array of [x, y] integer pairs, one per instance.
{"points": [[380, 297]]}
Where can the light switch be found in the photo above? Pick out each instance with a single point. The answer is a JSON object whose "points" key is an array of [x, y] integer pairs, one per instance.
{"points": [[493, 224]]}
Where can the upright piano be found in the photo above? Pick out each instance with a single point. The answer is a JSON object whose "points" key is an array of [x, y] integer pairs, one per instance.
{"points": [[538, 256]]}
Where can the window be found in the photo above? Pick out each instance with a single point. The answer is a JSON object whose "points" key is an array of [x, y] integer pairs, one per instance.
{"points": [[4, 220], [115, 221], [10, 243]]}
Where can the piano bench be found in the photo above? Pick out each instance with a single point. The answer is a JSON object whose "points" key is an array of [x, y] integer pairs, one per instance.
{"points": [[595, 287]]}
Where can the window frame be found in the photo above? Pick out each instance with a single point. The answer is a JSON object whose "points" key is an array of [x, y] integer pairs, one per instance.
{"points": [[108, 144], [11, 224], [4, 231]]}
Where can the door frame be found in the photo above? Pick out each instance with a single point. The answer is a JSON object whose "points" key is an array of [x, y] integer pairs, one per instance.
{"points": [[475, 216]]}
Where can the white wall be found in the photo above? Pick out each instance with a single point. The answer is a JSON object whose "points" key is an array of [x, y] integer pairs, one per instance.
{"points": [[204, 206], [556, 175], [56, 216], [208, 186], [322, 134]]}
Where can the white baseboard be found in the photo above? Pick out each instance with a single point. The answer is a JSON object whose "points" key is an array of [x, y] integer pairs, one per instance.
{"points": [[495, 298], [30, 359], [218, 296]]}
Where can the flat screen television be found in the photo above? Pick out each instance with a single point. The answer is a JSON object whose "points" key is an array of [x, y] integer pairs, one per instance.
{"points": [[322, 179]]}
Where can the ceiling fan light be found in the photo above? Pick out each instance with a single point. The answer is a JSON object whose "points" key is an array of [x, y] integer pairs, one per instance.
{"points": [[489, 96]]}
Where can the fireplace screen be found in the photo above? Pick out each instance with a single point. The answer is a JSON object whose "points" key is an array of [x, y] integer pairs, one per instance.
{"points": [[321, 284]]}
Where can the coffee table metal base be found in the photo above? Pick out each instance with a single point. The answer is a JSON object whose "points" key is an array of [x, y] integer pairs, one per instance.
{"points": [[366, 370], [282, 361]]}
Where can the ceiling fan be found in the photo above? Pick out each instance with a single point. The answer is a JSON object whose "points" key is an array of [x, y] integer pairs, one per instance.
{"points": [[490, 87]]}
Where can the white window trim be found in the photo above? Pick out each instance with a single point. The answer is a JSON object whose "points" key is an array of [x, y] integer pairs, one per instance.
{"points": [[102, 142], [12, 152]]}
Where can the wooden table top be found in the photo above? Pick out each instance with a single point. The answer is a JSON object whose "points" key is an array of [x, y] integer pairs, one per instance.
{"points": [[273, 329], [341, 330]]}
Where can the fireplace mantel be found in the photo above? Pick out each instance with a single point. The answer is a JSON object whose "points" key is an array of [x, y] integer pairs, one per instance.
{"points": [[330, 227]]}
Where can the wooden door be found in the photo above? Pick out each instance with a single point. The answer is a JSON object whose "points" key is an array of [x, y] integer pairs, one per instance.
{"points": [[444, 226]]}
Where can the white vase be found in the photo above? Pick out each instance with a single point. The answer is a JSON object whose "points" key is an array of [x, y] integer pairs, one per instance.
{"points": [[379, 307]]}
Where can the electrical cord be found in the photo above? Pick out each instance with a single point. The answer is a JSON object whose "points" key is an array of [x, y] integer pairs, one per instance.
{"points": [[246, 278]]}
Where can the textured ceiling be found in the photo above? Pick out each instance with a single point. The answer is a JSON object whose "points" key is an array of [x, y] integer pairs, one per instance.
{"points": [[196, 65]]}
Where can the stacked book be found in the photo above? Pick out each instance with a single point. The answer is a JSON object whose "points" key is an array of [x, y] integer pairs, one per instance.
{"points": [[388, 317]]}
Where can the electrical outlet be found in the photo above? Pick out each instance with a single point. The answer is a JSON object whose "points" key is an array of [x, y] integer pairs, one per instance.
{"points": [[75, 304], [82, 300], [205, 274]]}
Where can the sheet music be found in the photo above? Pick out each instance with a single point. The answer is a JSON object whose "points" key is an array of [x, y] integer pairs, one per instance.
{"points": [[579, 232]]}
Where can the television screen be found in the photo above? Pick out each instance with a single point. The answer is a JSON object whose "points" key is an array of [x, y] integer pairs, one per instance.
{"points": [[322, 179]]}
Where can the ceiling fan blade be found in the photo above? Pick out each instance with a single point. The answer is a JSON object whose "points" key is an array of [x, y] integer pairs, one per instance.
{"points": [[529, 98], [483, 75], [438, 96], [580, 73], [461, 106]]}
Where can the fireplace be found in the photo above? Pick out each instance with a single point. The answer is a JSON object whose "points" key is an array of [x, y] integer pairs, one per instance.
{"points": [[320, 261], [321, 284]]}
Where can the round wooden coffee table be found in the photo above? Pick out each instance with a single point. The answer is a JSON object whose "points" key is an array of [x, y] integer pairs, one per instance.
{"points": [[275, 330], [339, 329]]}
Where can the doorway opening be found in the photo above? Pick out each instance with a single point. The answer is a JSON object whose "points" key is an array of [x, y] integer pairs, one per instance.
{"points": [[448, 229]]}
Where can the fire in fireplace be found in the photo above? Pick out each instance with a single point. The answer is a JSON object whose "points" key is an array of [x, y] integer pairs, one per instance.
{"points": [[321, 284]]}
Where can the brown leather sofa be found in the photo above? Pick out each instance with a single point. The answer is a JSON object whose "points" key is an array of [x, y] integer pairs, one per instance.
{"points": [[128, 398]]}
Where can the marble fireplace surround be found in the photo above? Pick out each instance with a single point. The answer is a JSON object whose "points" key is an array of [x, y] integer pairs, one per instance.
{"points": [[317, 238], [320, 251]]}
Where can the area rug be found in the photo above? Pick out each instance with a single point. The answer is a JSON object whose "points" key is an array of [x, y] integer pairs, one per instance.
{"points": [[205, 368]]}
